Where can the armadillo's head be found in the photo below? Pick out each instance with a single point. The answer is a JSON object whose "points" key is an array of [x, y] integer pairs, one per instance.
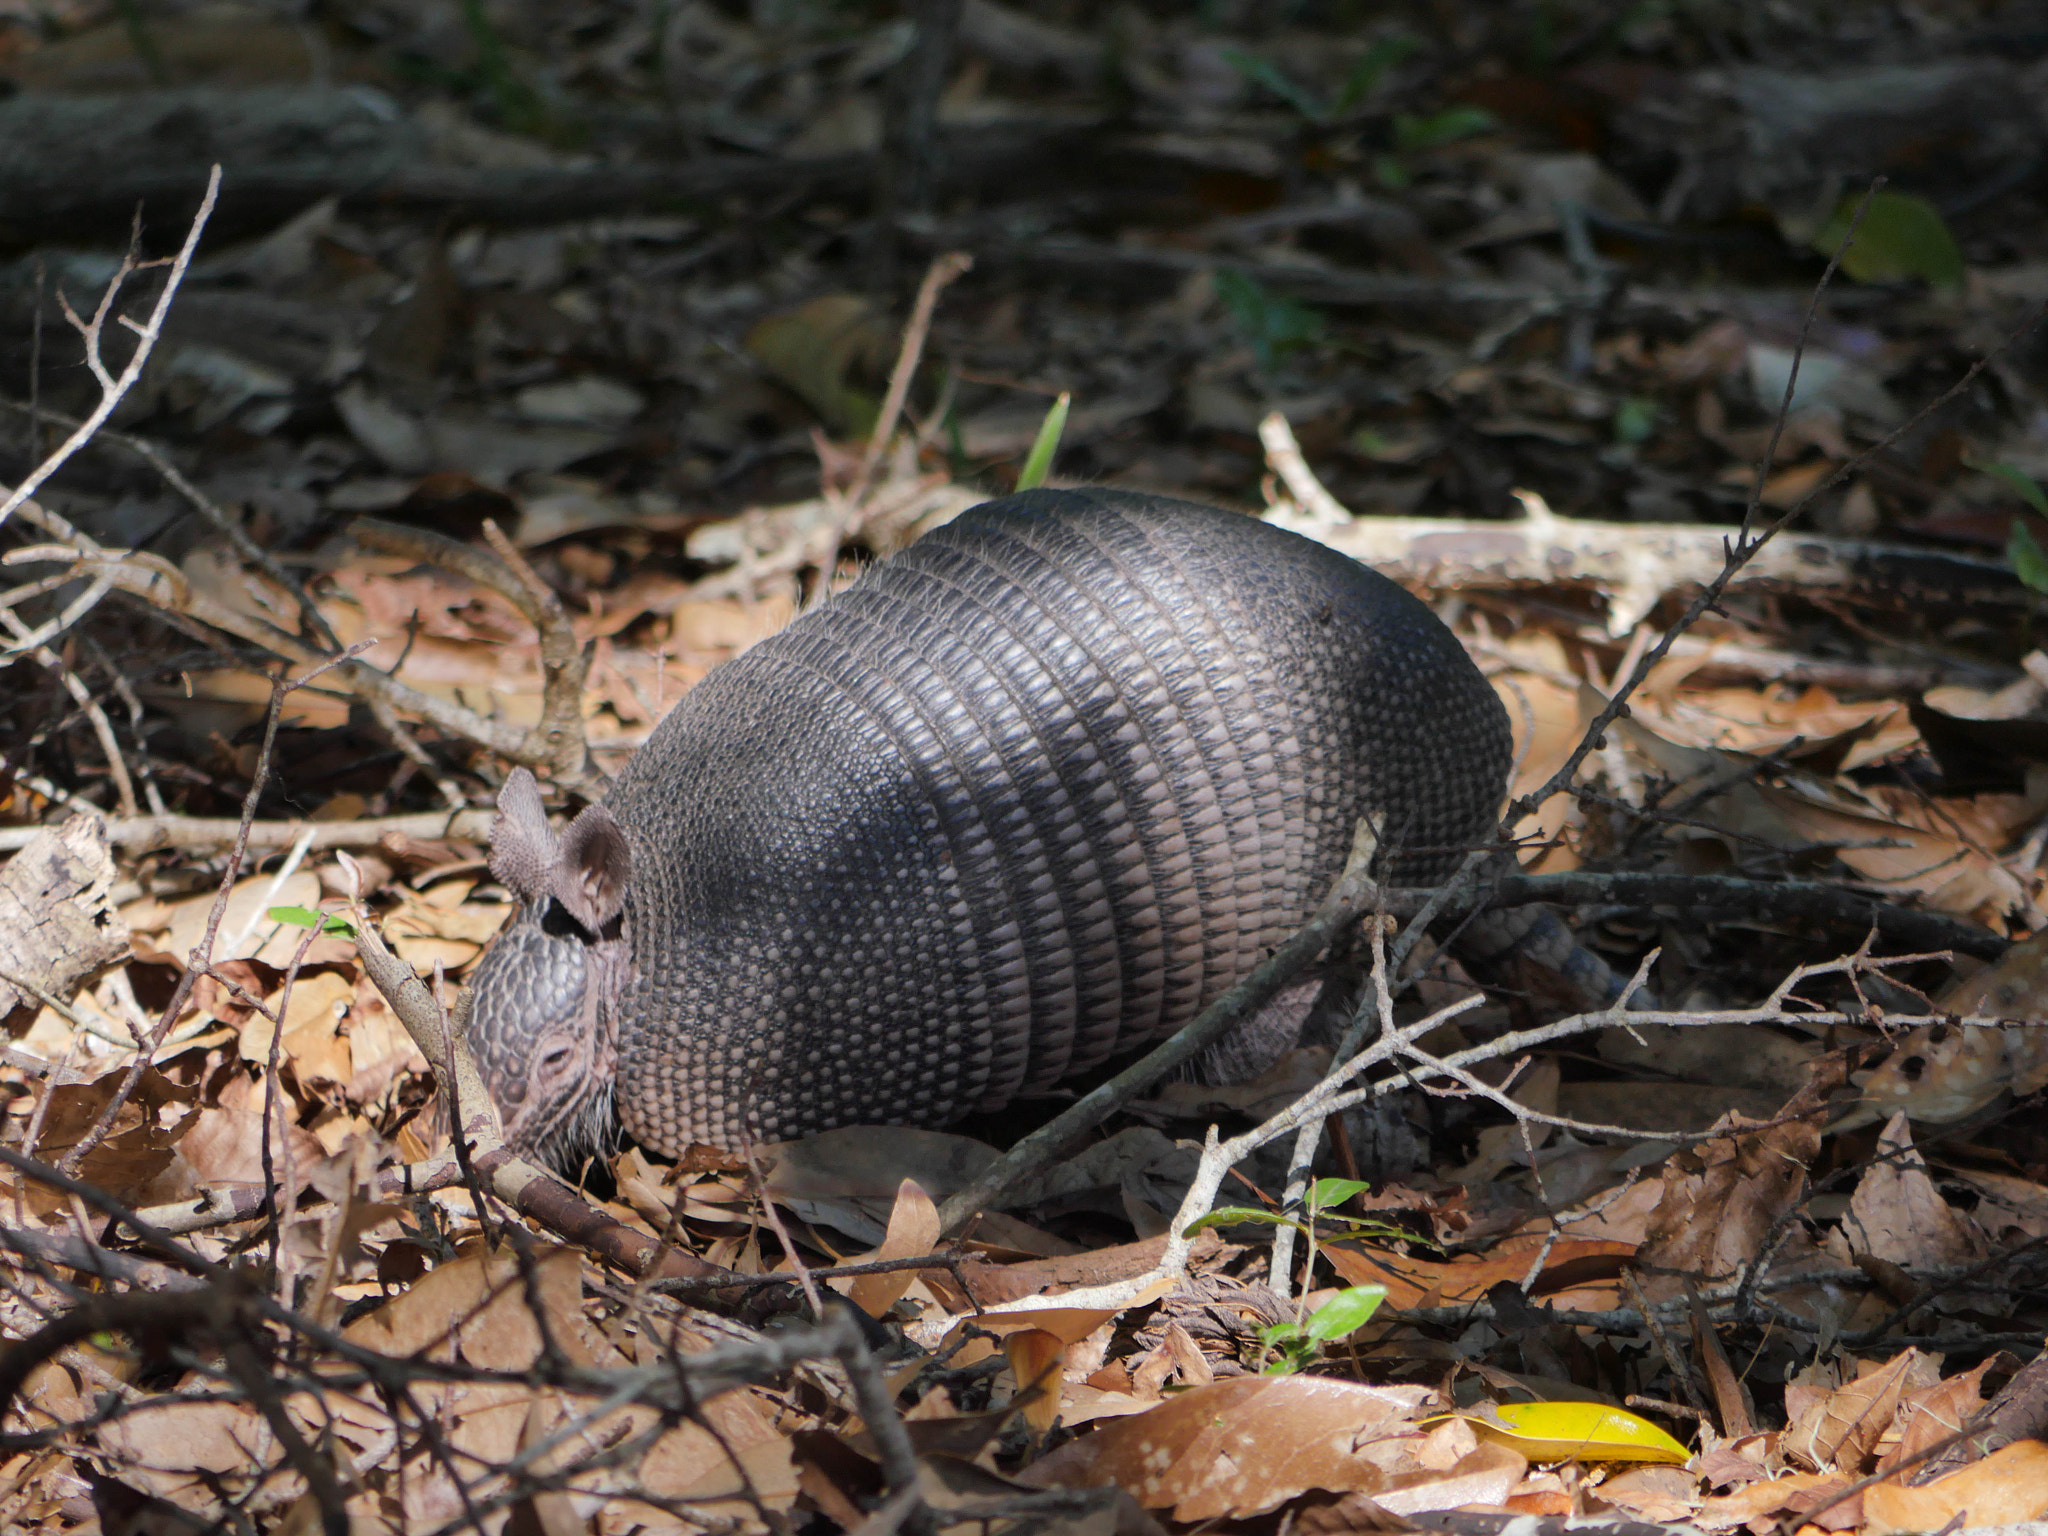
{"points": [[541, 1011]]}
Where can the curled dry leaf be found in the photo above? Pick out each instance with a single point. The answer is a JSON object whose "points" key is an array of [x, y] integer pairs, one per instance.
{"points": [[1840, 1432], [1570, 1266], [1721, 1199], [441, 926]]}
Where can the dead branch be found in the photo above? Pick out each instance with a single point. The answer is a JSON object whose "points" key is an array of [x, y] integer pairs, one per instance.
{"points": [[556, 743], [112, 389], [230, 529], [143, 833], [85, 162], [1636, 564]]}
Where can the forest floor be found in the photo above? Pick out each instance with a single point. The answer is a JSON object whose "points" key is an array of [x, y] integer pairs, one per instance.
{"points": [[527, 362]]}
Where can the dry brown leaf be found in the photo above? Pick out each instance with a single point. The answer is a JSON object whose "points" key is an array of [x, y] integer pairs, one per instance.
{"points": [[313, 1039], [1247, 1445], [380, 1048], [1803, 811], [1485, 1476], [1547, 719], [137, 1153], [1653, 1493], [1928, 1415], [476, 1305], [1572, 1266], [1794, 1491], [225, 1146], [2005, 1488], [244, 932], [1720, 1200], [1035, 1358], [913, 1230], [689, 1465], [1898, 1214], [197, 1454], [1840, 1432], [423, 930]]}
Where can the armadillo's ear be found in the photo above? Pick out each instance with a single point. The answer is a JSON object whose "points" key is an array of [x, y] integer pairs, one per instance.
{"points": [[592, 868], [522, 847]]}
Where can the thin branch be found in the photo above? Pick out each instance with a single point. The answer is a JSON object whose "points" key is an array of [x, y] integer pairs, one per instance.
{"points": [[943, 270], [202, 954], [111, 389]]}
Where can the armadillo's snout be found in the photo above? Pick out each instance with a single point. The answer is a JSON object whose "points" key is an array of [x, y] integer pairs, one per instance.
{"points": [[542, 1042]]}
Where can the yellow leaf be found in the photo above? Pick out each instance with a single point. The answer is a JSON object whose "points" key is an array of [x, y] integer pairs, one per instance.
{"points": [[1575, 1432]]}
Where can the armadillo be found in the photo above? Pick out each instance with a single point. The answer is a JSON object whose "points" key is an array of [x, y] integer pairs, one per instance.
{"points": [[1030, 793]]}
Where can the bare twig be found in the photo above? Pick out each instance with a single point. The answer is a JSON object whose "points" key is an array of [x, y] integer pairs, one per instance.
{"points": [[112, 389], [103, 728], [143, 833], [1284, 454], [1377, 1006], [943, 270], [202, 955], [564, 666]]}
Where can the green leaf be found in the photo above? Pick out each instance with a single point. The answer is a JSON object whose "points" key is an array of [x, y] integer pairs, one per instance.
{"points": [[1273, 323], [306, 917], [2028, 488], [1901, 236], [1346, 1312], [1353, 1229], [1292, 1348], [2026, 558], [1440, 128], [1263, 72], [1327, 1194], [1231, 1215], [1382, 56], [1634, 420], [1389, 172], [1039, 460]]}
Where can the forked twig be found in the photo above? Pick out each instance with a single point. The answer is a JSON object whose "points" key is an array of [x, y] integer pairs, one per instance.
{"points": [[112, 389]]}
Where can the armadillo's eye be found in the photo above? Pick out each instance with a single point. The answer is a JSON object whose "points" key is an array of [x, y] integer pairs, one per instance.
{"points": [[556, 922], [555, 1058]]}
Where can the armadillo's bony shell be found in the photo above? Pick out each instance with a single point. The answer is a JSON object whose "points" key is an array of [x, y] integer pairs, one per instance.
{"points": [[1030, 793]]}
